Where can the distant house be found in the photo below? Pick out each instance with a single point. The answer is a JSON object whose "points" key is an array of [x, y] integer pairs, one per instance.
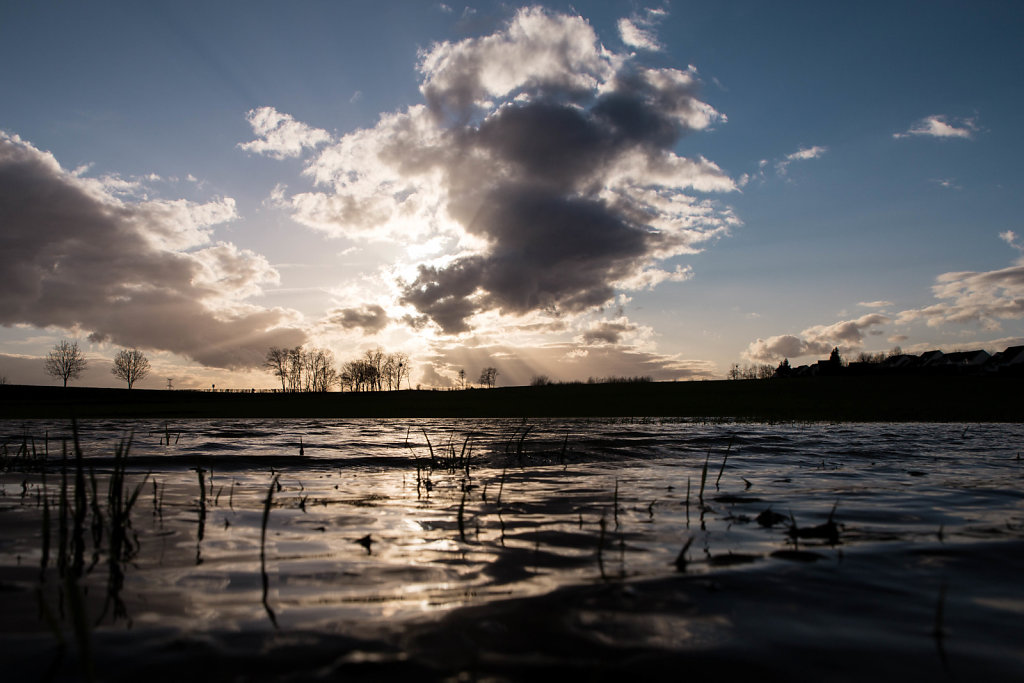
{"points": [[974, 359], [1007, 362], [901, 362]]}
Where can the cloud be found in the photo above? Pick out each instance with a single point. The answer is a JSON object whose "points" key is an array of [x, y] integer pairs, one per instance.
{"points": [[560, 362], [540, 162], [279, 135], [1010, 237], [638, 30], [371, 318], [816, 340], [983, 298], [940, 126], [609, 331], [802, 154], [74, 255], [875, 304]]}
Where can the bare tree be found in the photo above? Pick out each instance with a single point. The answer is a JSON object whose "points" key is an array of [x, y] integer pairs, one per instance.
{"points": [[321, 374], [488, 376], [375, 370], [375, 359], [130, 365], [359, 375], [462, 379], [402, 368], [395, 367], [295, 361], [66, 361], [277, 362]]}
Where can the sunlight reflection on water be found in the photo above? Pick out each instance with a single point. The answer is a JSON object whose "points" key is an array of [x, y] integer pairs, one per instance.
{"points": [[505, 508]]}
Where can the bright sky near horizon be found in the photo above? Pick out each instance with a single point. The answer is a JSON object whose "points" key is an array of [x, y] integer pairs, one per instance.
{"points": [[569, 189]]}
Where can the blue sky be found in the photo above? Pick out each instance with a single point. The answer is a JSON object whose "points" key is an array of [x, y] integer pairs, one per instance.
{"points": [[565, 189]]}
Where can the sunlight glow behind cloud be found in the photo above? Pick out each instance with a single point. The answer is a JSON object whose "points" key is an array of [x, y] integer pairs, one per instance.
{"points": [[544, 161]]}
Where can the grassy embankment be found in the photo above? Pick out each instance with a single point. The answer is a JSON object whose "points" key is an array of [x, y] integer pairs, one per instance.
{"points": [[803, 399]]}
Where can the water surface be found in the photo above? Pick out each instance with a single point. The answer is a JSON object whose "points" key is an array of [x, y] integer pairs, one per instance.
{"points": [[391, 541]]}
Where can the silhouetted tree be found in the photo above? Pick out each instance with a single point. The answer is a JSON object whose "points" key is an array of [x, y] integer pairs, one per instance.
{"points": [[319, 373], [394, 369], [784, 370], [277, 362], [375, 360], [295, 360], [488, 376], [834, 359], [374, 371], [540, 381], [359, 375], [66, 361], [462, 378], [131, 365]]}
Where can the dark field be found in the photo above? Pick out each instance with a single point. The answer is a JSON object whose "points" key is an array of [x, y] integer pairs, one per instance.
{"points": [[856, 399]]}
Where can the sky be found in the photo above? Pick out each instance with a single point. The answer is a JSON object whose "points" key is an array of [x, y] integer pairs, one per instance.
{"points": [[572, 190]]}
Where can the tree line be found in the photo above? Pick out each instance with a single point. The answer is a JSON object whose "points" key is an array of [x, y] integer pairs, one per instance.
{"points": [[299, 369], [315, 369]]}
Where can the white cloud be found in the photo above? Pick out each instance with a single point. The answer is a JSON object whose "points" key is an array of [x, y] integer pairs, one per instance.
{"points": [[1010, 237], [640, 37], [875, 304], [536, 50], [638, 30], [817, 340], [280, 136], [940, 126], [982, 298], [802, 154]]}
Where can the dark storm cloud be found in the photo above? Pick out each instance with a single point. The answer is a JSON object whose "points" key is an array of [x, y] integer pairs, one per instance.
{"points": [[136, 274], [607, 332], [549, 251], [555, 152], [370, 318]]}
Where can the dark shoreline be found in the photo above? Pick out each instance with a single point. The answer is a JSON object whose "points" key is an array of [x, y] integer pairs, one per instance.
{"points": [[844, 399]]}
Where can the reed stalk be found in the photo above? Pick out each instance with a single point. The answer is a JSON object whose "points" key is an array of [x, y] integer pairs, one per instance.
{"points": [[724, 460], [268, 501]]}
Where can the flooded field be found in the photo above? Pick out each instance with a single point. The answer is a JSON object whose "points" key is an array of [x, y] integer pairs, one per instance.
{"points": [[501, 549]]}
